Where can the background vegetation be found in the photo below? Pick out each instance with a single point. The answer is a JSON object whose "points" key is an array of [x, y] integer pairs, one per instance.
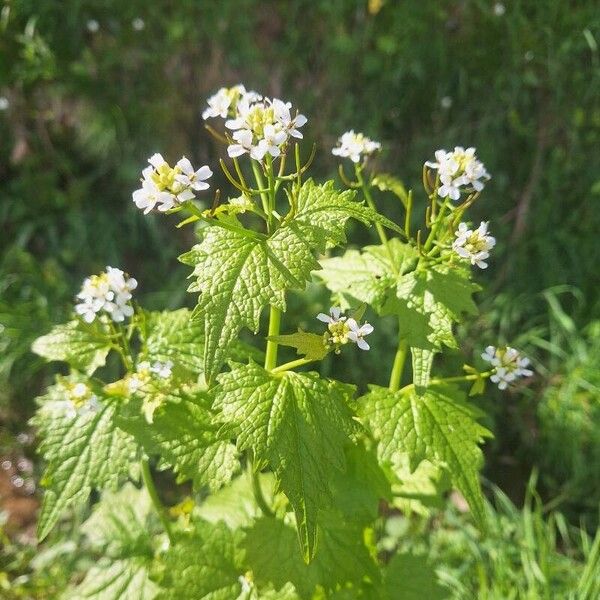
{"points": [[90, 88]]}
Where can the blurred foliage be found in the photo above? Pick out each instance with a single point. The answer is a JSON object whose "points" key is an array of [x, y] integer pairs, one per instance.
{"points": [[93, 87]]}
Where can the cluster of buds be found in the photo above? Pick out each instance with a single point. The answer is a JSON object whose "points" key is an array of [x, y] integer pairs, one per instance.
{"points": [[108, 292], [355, 146], [260, 125], [474, 245], [508, 365], [457, 171], [165, 187], [79, 400], [341, 329]]}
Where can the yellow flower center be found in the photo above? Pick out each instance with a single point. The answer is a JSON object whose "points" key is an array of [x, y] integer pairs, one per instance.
{"points": [[339, 332]]}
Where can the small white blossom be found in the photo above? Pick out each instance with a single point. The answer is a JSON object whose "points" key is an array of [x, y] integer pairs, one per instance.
{"points": [[109, 292], [342, 330], [163, 370], [195, 180], [245, 145], [508, 365], [357, 333], [149, 195], [225, 101], [474, 245], [165, 187], [457, 170], [92, 25], [4, 103], [446, 102], [355, 146], [335, 316], [284, 117], [79, 400], [499, 9], [138, 24]]}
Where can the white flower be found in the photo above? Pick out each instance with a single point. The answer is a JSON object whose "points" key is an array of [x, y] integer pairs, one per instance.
{"points": [[475, 245], [446, 102], [245, 139], [138, 24], [284, 117], [273, 139], [92, 26], [79, 400], [357, 333], [4, 103], [149, 195], [342, 330], [508, 365], [499, 9], [458, 169], [163, 370], [218, 105], [109, 292], [165, 187], [196, 180], [335, 316], [355, 146], [225, 101]]}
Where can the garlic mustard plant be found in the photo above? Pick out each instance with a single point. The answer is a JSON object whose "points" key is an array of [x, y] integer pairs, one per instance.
{"points": [[282, 478]]}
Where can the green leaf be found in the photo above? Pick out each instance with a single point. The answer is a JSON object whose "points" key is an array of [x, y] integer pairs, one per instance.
{"points": [[186, 434], [272, 553], [204, 564], [420, 490], [359, 490], [386, 182], [175, 336], [428, 303], [237, 276], [411, 575], [367, 276], [117, 580], [311, 345], [297, 423], [437, 426], [84, 346], [235, 504], [84, 452], [119, 525]]}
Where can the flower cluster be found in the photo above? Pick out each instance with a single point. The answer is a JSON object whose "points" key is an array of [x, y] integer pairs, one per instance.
{"points": [[508, 365], [474, 245], [145, 371], [109, 292], [260, 125], [79, 400], [458, 170], [355, 146], [166, 187], [342, 330]]}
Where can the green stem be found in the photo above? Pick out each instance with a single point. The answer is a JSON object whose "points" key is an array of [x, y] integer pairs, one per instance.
{"points": [[274, 324], [457, 379], [378, 226], [257, 491], [398, 367], [436, 225], [261, 186], [288, 366], [158, 505]]}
